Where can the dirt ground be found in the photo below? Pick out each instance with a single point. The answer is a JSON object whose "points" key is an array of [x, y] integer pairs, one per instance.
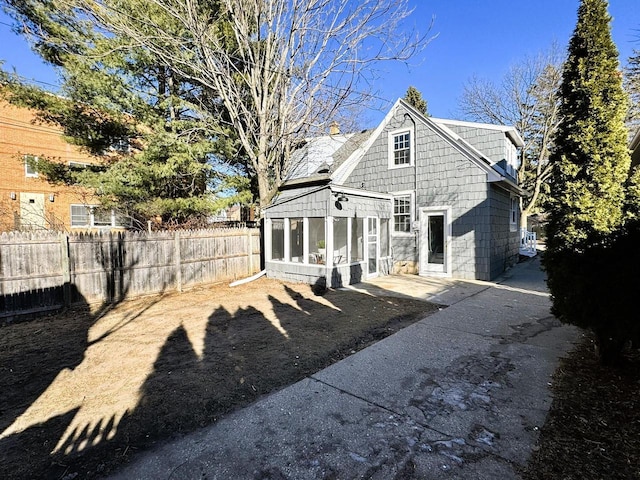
{"points": [[81, 392], [593, 428]]}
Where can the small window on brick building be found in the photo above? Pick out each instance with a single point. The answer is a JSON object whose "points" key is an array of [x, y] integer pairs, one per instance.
{"points": [[30, 166], [93, 216]]}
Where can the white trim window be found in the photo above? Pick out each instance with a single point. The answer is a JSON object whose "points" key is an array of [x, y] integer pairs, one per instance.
{"points": [[401, 148], [78, 165], [89, 216], [30, 166], [402, 213], [513, 214], [512, 159], [277, 239]]}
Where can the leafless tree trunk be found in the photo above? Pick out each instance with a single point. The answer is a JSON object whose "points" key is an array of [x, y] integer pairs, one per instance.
{"points": [[527, 99], [282, 68]]}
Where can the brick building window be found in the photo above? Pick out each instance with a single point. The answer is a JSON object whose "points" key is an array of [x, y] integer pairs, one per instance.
{"points": [[30, 166], [91, 216]]}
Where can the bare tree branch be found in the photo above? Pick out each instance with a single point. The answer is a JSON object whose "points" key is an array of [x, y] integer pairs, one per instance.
{"points": [[282, 68], [527, 98]]}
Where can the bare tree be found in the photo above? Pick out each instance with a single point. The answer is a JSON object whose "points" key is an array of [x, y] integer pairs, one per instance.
{"points": [[632, 86], [527, 98], [283, 69]]}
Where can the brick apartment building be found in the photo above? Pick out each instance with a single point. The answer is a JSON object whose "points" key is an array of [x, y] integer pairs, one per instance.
{"points": [[28, 202]]}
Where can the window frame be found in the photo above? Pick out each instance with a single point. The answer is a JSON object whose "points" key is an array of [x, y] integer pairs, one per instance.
{"points": [[282, 231], [511, 156], [27, 174], [91, 217], [412, 209], [300, 235], [391, 147], [514, 208], [77, 165]]}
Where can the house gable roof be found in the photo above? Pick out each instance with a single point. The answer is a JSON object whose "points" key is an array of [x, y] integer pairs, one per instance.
{"points": [[509, 131], [495, 173]]}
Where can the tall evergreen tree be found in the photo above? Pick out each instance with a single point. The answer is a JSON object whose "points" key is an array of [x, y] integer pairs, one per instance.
{"points": [[179, 149], [281, 69], [591, 158], [414, 98], [590, 166]]}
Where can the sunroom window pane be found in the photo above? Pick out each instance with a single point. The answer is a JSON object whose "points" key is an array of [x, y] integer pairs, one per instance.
{"points": [[277, 239], [357, 242], [340, 240], [384, 237], [317, 244], [296, 239]]}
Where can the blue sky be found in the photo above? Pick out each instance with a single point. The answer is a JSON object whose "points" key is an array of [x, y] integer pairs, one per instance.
{"points": [[475, 37]]}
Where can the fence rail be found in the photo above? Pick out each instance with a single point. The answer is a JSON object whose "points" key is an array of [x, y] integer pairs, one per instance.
{"points": [[43, 271]]}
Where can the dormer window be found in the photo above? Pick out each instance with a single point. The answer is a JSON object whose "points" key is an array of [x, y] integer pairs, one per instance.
{"points": [[401, 148]]}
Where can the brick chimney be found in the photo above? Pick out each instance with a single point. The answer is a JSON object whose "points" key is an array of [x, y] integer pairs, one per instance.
{"points": [[334, 128]]}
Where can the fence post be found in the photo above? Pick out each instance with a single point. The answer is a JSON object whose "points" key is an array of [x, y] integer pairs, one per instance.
{"points": [[65, 265], [178, 262], [250, 250]]}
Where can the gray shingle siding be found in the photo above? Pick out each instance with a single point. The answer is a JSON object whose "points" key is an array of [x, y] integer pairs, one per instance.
{"points": [[300, 203], [490, 142], [317, 274], [445, 177], [446, 174], [305, 202], [504, 242]]}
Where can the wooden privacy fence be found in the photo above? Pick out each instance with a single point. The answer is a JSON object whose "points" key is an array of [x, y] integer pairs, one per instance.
{"points": [[43, 271]]}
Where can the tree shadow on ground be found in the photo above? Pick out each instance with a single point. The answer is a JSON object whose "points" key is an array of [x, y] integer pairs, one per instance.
{"points": [[32, 358], [37, 349], [245, 354]]}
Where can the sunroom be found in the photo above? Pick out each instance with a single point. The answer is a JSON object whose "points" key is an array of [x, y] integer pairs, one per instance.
{"points": [[327, 235]]}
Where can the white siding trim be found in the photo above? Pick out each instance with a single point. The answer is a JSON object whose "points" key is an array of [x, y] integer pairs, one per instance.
{"points": [[448, 211]]}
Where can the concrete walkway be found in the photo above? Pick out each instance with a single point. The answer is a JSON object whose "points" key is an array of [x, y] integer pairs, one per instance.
{"points": [[460, 394]]}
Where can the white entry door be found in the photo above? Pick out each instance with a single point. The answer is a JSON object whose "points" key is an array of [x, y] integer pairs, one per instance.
{"points": [[435, 242]]}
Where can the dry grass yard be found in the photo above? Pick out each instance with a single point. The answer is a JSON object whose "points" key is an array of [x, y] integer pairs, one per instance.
{"points": [[81, 392]]}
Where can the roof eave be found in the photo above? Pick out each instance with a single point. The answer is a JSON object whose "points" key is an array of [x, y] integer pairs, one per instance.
{"points": [[323, 179], [509, 185]]}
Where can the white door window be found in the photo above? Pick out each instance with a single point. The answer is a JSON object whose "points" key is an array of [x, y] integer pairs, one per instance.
{"points": [[435, 242]]}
